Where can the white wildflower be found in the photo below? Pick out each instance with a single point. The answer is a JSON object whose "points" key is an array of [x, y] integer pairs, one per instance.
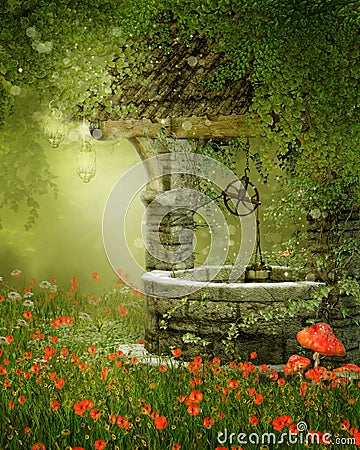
{"points": [[28, 303], [14, 295]]}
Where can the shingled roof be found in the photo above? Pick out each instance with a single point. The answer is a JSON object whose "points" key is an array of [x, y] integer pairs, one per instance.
{"points": [[174, 89]]}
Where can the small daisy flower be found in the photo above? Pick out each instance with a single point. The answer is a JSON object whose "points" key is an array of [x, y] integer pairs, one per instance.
{"points": [[45, 285], [14, 295]]}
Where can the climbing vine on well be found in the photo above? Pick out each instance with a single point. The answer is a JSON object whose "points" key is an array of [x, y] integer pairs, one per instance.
{"points": [[301, 58]]}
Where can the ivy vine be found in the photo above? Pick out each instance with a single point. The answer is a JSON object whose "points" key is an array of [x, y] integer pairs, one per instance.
{"points": [[301, 58]]}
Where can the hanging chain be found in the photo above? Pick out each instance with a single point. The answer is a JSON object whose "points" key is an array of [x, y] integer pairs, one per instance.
{"points": [[247, 150]]}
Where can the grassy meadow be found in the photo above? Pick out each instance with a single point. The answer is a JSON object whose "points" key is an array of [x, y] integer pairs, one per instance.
{"points": [[65, 384]]}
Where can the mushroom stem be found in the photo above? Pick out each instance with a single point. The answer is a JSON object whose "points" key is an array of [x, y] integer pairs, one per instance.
{"points": [[316, 358]]}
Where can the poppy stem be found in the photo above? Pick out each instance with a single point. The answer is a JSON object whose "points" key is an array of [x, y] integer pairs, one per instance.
{"points": [[316, 358]]}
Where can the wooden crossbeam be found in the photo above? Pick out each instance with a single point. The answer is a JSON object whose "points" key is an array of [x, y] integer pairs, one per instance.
{"points": [[181, 128]]}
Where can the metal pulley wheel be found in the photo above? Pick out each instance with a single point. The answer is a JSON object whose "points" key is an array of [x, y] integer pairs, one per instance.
{"points": [[241, 197]]}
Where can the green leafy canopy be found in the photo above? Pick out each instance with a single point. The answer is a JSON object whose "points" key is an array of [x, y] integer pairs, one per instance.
{"points": [[300, 56]]}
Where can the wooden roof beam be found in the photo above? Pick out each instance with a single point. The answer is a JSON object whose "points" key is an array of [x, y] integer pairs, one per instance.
{"points": [[178, 128]]}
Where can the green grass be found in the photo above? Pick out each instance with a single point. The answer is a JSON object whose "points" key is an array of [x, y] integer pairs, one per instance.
{"points": [[64, 385]]}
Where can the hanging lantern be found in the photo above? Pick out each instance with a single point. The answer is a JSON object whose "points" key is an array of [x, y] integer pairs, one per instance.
{"points": [[86, 164], [54, 126]]}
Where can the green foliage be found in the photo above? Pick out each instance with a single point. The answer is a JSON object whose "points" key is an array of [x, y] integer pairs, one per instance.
{"points": [[301, 58], [26, 173]]}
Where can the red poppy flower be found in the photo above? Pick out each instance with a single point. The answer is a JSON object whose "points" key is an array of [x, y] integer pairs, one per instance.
{"points": [[195, 396], [280, 422], [226, 391], [81, 407], [55, 405], [197, 361], [95, 276], [193, 409], [281, 381], [234, 384], [160, 422], [49, 351], [252, 391], [60, 383], [258, 399], [208, 422], [95, 413], [122, 422], [162, 368], [100, 444], [9, 337], [303, 386], [177, 352], [92, 349], [216, 361], [253, 420], [104, 373], [27, 315], [2, 370], [253, 355], [56, 323], [38, 446], [123, 311], [22, 399], [216, 370], [176, 447]]}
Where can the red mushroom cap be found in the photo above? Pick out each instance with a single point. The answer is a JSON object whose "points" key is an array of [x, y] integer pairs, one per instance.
{"points": [[318, 374], [347, 368], [295, 364], [321, 339]]}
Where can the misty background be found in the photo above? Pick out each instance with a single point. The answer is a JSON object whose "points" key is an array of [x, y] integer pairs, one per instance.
{"points": [[66, 240]]}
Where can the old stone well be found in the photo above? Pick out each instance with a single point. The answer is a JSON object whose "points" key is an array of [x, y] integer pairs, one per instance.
{"points": [[228, 320], [200, 309]]}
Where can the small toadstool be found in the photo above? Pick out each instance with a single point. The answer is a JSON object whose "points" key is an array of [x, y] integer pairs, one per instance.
{"points": [[347, 370], [321, 339], [296, 364]]}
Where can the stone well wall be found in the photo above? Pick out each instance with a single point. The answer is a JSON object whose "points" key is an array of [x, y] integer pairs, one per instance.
{"points": [[183, 302]]}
